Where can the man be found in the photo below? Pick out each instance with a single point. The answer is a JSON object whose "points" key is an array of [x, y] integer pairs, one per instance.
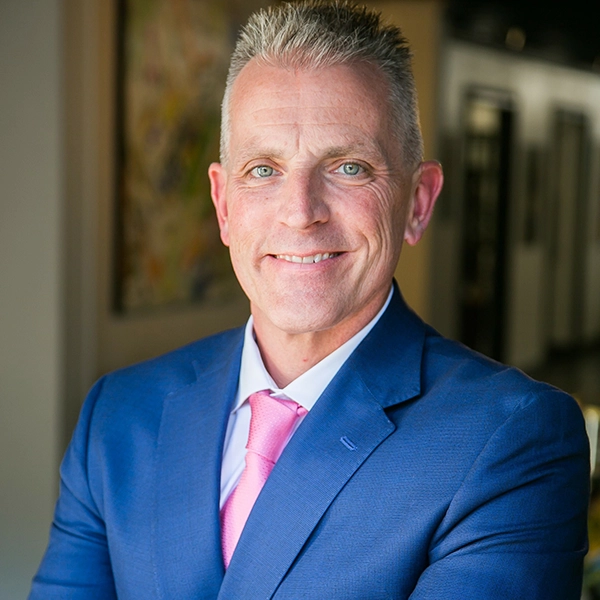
{"points": [[405, 465]]}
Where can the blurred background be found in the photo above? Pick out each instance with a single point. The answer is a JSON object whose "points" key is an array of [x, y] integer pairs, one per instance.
{"points": [[108, 251]]}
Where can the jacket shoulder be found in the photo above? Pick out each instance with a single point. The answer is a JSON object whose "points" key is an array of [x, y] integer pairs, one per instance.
{"points": [[181, 366], [465, 377], [137, 393]]}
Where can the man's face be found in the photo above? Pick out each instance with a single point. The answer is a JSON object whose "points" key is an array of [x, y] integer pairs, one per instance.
{"points": [[314, 200]]}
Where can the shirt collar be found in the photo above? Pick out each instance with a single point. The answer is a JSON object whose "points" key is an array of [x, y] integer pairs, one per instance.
{"points": [[305, 389]]}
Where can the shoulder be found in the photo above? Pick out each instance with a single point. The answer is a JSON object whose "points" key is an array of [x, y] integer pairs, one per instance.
{"points": [[404, 358], [179, 367], [457, 367], [121, 417], [137, 392], [480, 393]]}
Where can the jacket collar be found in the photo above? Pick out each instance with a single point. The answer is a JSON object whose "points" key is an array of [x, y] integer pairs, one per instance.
{"points": [[389, 360]]}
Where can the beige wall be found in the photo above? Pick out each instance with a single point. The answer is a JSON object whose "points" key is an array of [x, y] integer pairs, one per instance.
{"points": [[420, 22]]}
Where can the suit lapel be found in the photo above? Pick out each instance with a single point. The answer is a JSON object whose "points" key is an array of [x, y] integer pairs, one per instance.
{"points": [[345, 426], [186, 527]]}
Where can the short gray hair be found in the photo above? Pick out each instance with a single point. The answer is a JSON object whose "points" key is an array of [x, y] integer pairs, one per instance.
{"points": [[313, 34]]}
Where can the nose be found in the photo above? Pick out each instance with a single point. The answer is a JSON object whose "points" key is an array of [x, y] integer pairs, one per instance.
{"points": [[303, 202]]}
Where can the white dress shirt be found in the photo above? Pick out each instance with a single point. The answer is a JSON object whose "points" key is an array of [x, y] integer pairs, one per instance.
{"points": [[305, 390]]}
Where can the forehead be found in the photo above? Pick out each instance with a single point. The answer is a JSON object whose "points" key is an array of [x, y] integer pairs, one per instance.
{"points": [[333, 105]]}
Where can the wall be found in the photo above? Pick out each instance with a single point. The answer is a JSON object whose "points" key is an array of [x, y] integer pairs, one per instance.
{"points": [[31, 288]]}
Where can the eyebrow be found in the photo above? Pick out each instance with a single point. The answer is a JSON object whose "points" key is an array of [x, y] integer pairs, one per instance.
{"points": [[368, 151], [252, 151]]}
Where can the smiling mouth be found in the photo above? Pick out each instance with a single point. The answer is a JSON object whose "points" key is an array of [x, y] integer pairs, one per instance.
{"points": [[307, 260]]}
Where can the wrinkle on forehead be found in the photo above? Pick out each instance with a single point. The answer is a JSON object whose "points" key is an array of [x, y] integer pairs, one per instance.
{"points": [[290, 87], [276, 112], [293, 103], [280, 135]]}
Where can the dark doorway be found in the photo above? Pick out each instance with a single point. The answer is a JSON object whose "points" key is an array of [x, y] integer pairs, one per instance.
{"points": [[488, 141]]}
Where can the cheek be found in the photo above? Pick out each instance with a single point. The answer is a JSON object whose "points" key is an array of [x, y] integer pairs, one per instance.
{"points": [[245, 233], [393, 214], [239, 221], [248, 208], [381, 216]]}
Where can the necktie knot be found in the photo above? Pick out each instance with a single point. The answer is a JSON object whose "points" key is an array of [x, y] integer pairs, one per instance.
{"points": [[271, 424]]}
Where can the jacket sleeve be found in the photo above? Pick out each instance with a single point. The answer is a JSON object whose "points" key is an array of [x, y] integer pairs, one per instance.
{"points": [[76, 564], [517, 527]]}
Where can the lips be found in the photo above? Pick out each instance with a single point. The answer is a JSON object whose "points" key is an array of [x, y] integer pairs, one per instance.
{"points": [[306, 260]]}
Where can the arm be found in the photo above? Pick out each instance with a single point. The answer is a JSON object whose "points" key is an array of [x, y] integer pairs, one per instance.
{"points": [[76, 564], [516, 528]]}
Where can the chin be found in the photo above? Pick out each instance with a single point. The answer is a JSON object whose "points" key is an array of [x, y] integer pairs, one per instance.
{"points": [[299, 326], [295, 322]]}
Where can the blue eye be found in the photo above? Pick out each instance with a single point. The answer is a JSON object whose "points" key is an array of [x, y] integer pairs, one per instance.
{"points": [[350, 168], [262, 171]]}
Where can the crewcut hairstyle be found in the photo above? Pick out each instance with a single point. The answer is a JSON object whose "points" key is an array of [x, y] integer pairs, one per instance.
{"points": [[312, 34]]}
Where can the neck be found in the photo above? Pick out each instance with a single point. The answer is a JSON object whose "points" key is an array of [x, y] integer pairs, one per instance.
{"points": [[286, 356]]}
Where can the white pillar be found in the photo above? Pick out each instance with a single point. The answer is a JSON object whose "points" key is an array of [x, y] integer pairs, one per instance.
{"points": [[30, 283]]}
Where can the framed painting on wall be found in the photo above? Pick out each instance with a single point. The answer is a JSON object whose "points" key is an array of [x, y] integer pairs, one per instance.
{"points": [[172, 63]]}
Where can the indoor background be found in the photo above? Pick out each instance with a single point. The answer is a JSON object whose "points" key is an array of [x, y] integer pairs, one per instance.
{"points": [[509, 101]]}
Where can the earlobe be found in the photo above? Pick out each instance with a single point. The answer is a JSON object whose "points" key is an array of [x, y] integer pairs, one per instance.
{"points": [[427, 185], [218, 180]]}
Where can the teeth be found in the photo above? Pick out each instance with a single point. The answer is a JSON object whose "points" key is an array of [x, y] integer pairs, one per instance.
{"points": [[306, 259]]}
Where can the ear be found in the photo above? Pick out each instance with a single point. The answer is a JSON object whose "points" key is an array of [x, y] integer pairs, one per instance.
{"points": [[218, 185], [426, 187]]}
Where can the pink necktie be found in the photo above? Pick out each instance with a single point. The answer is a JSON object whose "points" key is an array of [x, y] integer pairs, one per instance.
{"points": [[271, 422]]}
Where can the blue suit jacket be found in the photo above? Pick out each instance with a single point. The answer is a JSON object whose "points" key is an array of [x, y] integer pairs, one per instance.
{"points": [[424, 471]]}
